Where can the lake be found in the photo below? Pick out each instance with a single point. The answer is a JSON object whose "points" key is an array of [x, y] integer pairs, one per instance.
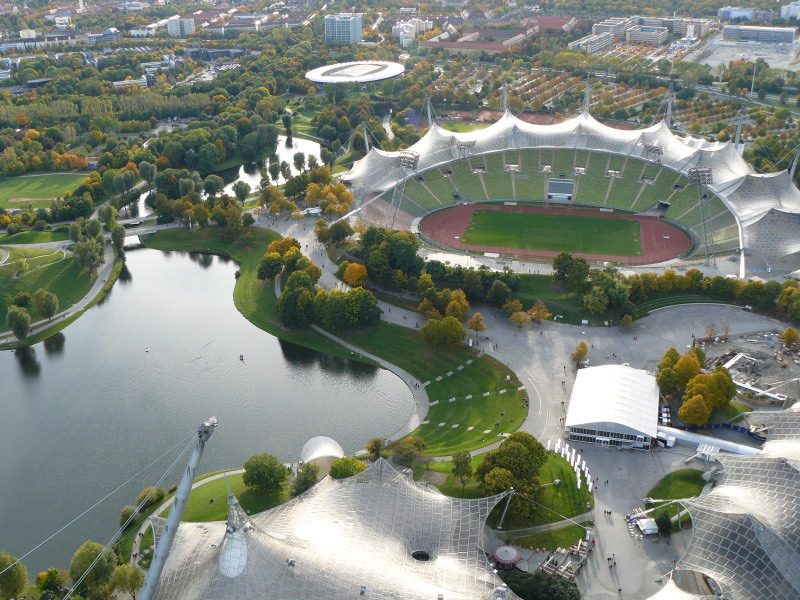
{"points": [[137, 374]]}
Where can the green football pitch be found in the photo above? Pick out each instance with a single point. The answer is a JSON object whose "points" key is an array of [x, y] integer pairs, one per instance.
{"points": [[554, 232]]}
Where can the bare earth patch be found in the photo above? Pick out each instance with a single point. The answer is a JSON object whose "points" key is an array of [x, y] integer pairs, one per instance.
{"points": [[28, 200], [435, 478]]}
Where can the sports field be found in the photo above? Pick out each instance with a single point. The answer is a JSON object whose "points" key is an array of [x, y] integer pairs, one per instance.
{"points": [[38, 190], [554, 232]]}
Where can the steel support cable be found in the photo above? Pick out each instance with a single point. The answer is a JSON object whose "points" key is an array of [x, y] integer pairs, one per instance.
{"points": [[93, 506], [116, 535]]}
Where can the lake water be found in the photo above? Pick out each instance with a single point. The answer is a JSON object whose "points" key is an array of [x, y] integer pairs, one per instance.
{"points": [[90, 408]]}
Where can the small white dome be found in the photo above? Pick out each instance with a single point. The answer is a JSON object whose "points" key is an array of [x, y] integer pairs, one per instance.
{"points": [[320, 447]]}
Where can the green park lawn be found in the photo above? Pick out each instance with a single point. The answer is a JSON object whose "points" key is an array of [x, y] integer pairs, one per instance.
{"points": [[683, 483], [209, 502], [404, 348], [39, 191], [563, 537], [553, 232], [460, 126], [49, 270], [35, 237]]}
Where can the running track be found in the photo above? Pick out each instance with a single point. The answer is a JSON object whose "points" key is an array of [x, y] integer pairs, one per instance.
{"points": [[660, 241]]}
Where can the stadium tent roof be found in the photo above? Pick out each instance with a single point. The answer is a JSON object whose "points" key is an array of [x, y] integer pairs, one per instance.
{"points": [[767, 207], [746, 530], [362, 71], [336, 538], [614, 398], [320, 447]]}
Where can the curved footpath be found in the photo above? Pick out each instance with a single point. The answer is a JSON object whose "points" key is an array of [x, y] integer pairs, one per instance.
{"points": [[102, 275]]}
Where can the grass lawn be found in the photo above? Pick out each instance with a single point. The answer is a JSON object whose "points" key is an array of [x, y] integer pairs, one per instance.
{"points": [[563, 537], [729, 413], [254, 298], [542, 287], [38, 191], [452, 485], [404, 348], [460, 126], [200, 507], [683, 483], [65, 278], [554, 232], [35, 237]]}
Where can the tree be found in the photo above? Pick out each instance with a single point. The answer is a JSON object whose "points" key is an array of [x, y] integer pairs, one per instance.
{"points": [[118, 238], [498, 293], [444, 332], [52, 580], [306, 478], [686, 368], [789, 336], [149, 497], [147, 171], [127, 578], [270, 265], [511, 306], [108, 215], [539, 312], [22, 299], [664, 523], [93, 227], [13, 581], [94, 583], [299, 161], [374, 447], [355, 275], [462, 467], [596, 301], [695, 411], [581, 351], [667, 381], [322, 231], [541, 586], [90, 253], [520, 318], [126, 513], [671, 357], [627, 321], [263, 472], [75, 232], [213, 184], [346, 466], [458, 306], [241, 189], [497, 481], [408, 450], [19, 321], [476, 323]]}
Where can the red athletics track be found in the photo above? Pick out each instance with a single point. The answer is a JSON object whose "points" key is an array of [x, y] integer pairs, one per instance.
{"points": [[446, 225]]}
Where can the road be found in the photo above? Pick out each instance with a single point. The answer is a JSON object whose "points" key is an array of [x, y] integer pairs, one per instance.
{"points": [[387, 127]]}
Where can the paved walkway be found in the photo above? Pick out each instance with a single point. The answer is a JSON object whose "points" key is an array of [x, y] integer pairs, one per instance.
{"points": [[164, 505], [102, 274]]}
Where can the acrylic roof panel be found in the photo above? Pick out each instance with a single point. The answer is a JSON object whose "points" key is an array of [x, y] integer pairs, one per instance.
{"points": [[335, 538], [757, 194], [320, 447], [615, 394]]}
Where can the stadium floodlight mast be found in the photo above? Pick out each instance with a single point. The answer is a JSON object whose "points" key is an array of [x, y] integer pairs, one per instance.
{"points": [[465, 148], [652, 154], [702, 177], [409, 159]]}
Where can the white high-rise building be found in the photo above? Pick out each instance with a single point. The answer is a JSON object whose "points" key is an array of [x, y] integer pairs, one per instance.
{"points": [[344, 28], [791, 10]]}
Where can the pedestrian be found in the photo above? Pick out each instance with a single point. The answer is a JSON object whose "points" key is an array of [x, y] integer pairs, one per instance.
{"points": [[619, 590]]}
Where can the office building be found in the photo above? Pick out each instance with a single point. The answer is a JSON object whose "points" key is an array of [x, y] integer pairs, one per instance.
{"points": [[759, 33], [344, 28]]}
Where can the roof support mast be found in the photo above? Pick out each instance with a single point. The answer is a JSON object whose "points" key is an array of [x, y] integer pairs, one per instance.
{"points": [[181, 498], [793, 168]]}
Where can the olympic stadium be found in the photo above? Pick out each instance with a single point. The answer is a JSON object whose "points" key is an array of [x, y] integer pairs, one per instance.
{"points": [[582, 164]]}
